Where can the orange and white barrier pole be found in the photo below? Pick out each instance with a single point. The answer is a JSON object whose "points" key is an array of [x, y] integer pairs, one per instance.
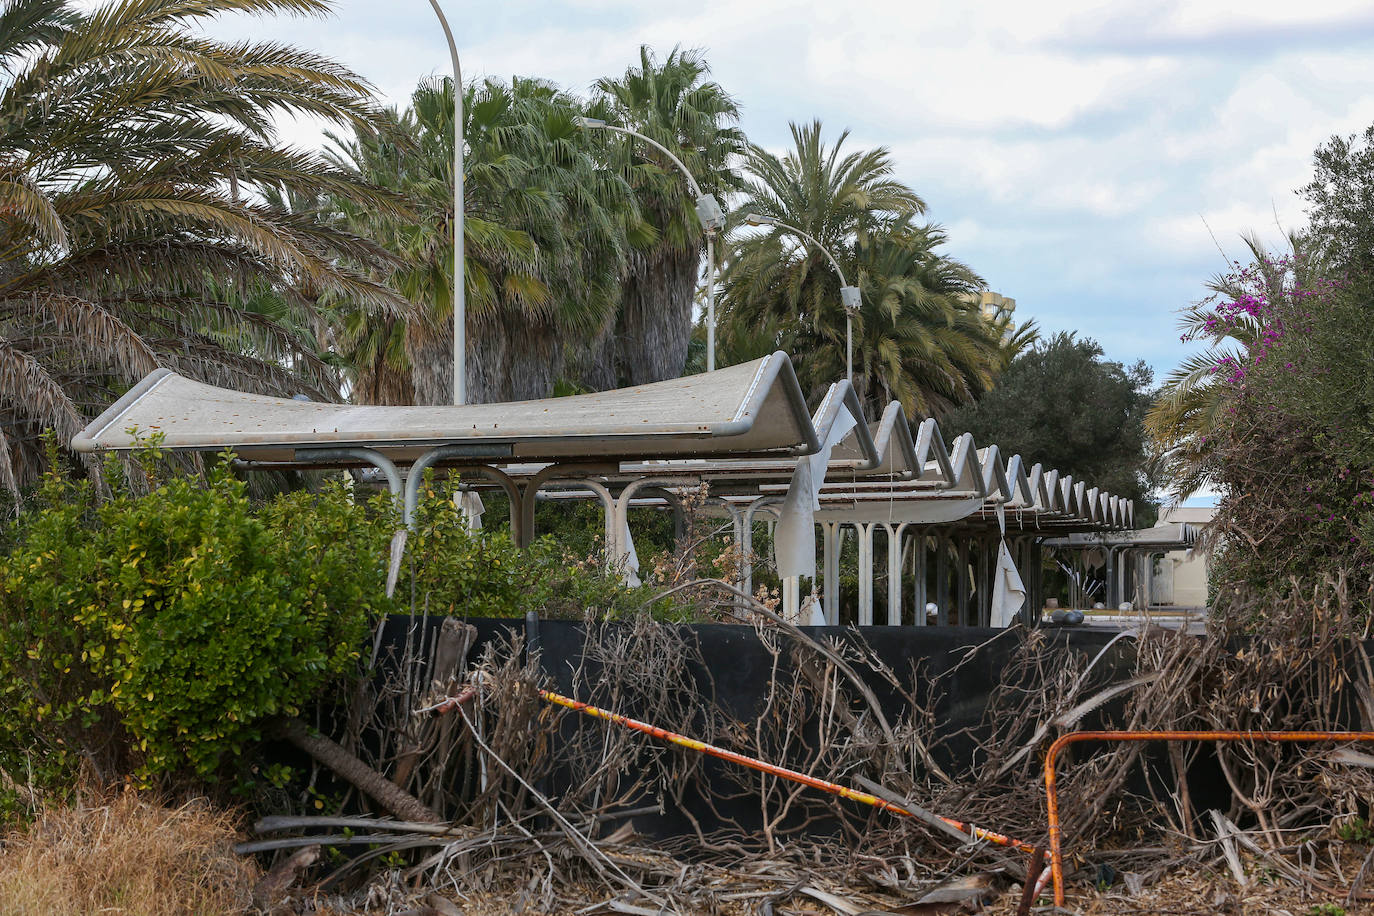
{"points": [[772, 769]]}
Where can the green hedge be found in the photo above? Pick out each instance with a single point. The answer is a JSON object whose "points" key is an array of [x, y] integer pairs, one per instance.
{"points": [[154, 634]]}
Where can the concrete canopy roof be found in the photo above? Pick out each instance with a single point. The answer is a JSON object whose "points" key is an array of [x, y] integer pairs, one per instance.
{"points": [[979, 483], [857, 453], [755, 408], [1165, 536], [742, 427], [891, 437]]}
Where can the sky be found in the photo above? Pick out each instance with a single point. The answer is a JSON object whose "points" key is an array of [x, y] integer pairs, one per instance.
{"points": [[1097, 161]]}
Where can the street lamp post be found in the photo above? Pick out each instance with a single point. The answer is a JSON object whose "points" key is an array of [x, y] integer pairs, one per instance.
{"points": [[849, 295], [709, 214], [460, 348]]}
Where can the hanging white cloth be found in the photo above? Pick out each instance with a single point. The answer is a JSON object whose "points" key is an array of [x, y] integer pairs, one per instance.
{"points": [[1008, 591], [629, 560], [817, 616], [470, 503], [393, 568], [794, 539]]}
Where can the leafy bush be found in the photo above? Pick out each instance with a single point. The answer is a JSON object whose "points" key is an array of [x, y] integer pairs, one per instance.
{"points": [[155, 633], [455, 572], [1063, 402]]}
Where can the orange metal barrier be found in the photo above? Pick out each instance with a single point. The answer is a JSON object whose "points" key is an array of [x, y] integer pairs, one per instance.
{"points": [[1052, 794], [771, 768]]}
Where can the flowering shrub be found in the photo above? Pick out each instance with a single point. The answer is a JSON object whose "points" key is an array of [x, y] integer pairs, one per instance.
{"points": [[1259, 303], [1291, 442]]}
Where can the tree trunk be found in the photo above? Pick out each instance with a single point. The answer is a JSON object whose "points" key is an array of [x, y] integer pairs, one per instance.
{"points": [[431, 363], [394, 799], [655, 321], [510, 357], [595, 365]]}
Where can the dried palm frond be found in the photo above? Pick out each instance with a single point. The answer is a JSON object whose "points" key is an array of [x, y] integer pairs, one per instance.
{"points": [[147, 217]]}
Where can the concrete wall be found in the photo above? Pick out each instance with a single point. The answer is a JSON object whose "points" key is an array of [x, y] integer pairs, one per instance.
{"points": [[1181, 575]]}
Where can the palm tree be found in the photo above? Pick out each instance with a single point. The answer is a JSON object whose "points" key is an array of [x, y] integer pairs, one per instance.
{"points": [[134, 154], [1015, 338], [919, 337], [672, 102], [546, 229]]}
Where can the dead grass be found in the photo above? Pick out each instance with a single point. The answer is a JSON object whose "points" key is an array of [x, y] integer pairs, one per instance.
{"points": [[1320, 891], [125, 856]]}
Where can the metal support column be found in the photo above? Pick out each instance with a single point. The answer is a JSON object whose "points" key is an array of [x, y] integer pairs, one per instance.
{"points": [[747, 559], [961, 580], [622, 508], [394, 482], [1149, 580], [1111, 600], [830, 571], [983, 573], [894, 573], [791, 599], [865, 533], [414, 478], [1035, 599], [942, 550], [918, 578]]}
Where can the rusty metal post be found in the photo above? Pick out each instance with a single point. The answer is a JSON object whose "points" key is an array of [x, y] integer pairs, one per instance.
{"points": [[1029, 889], [1051, 787]]}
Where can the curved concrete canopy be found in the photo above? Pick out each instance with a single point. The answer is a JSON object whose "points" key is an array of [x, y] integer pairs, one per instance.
{"points": [[755, 408]]}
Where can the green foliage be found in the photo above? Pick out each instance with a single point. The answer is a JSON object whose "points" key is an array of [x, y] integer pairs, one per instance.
{"points": [[1356, 830], [158, 634], [672, 100], [1195, 397], [155, 633], [1282, 421], [1340, 199], [455, 572], [1061, 404], [1293, 453], [1327, 909], [547, 229], [918, 335]]}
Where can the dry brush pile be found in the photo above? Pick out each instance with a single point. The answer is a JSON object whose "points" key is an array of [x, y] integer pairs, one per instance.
{"points": [[539, 805]]}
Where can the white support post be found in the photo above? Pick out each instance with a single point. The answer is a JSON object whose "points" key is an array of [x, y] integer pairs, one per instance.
{"points": [[830, 571], [918, 585], [894, 573], [1149, 580], [791, 599], [747, 541], [865, 532]]}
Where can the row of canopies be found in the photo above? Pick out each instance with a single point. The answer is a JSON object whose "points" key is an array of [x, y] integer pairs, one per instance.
{"points": [[744, 432]]}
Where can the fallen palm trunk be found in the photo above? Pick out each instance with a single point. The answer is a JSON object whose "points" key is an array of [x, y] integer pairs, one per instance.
{"points": [[390, 796], [772, 769]]}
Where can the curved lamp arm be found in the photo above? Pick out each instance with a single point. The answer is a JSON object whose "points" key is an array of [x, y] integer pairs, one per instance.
{"points": [[849, 295], [709, 211]]}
